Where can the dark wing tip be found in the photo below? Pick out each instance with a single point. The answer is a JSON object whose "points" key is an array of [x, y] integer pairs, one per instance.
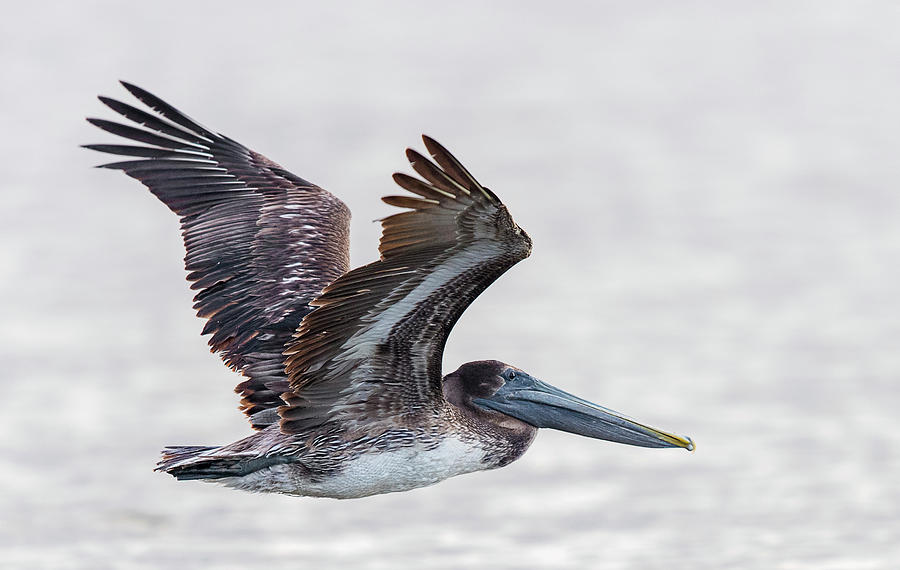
{"points": [[138, 92], [167, 110], [436, 148], [414, 156], [421, 188], [109, 101], [130, 86], [455, 168], [95, 148], [409, 202]]}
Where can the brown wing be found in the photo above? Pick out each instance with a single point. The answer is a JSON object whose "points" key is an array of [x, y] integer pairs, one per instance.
{"points": [[261, 243], [371, 349]]}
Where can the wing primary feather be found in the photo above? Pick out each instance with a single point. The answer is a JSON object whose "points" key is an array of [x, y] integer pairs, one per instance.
{"points": [[423, 189], [433, 174], [146, 119], [139, 135], [261, 243], [370, 351], [409, 202], [146, 152], [167, 111], [453, 166]]}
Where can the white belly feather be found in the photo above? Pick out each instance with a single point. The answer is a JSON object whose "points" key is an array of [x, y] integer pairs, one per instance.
{"points": [[372, 473]]}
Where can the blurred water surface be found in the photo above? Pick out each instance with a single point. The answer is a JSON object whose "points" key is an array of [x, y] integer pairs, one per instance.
{"points": [[711, 189]]}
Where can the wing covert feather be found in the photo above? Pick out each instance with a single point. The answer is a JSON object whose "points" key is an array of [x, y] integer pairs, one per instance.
{"points": [[371, 349], [260, 242]]}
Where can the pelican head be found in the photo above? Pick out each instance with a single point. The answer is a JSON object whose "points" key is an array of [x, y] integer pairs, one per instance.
{"points": [[503, 390]]}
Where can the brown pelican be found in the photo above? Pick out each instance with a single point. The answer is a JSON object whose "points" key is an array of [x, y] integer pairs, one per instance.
{"points": [[342, 369]]}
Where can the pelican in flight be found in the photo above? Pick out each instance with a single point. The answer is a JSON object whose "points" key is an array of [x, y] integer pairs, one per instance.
{"points": [[341, 369]]}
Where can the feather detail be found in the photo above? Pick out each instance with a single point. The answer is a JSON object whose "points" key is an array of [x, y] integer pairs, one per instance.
{"points": [[370, 351], [261, 242]]}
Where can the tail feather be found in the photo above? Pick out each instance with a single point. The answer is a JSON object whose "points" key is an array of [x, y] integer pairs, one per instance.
{"points": [[202, 462]]}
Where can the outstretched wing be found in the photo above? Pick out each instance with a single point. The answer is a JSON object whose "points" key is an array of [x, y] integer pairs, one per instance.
{"points": [[371, 349], [261, 243]]}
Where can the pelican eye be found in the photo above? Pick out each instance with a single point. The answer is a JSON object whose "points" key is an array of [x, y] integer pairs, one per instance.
{"points": [[511, 375]]}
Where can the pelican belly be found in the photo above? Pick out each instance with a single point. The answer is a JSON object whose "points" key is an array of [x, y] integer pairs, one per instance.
{"points": [[372, 472]]}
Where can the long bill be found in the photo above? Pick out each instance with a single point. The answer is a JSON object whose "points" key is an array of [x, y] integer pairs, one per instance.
{"points": [[545, 406]]}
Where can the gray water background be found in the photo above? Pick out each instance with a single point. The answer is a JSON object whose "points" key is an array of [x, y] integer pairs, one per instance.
{"points": [[712, 193]]}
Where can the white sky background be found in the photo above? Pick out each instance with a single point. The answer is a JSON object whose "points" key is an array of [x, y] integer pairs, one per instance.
{"points": [[712, 192]]}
